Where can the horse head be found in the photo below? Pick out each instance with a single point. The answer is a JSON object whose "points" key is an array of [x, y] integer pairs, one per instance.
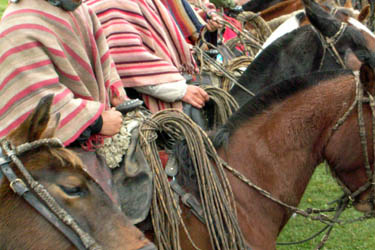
{"points": [[351, 158], [327, 44], [60, 172], [353, 43]]}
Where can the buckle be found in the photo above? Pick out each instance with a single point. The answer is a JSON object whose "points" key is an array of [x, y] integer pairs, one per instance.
{"points": [[18, 186]]}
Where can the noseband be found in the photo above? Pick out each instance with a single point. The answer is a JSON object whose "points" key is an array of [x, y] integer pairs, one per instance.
{"points": [[43, 202], [358, 102]]}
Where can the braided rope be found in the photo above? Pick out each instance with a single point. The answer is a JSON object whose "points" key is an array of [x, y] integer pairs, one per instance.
{"points": [[227, 74], [225, 104], [215, 191], [263, 31], [235, 66]]}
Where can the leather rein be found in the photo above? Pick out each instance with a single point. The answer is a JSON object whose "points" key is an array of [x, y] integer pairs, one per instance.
{"points": [[40, 199], [361, 98]]}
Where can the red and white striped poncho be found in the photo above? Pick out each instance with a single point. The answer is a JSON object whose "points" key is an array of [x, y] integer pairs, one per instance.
{"points": [[45, 50], [145, 43]]}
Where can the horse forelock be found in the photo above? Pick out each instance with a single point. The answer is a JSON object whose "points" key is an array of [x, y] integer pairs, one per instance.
{"points": [[273, 94]]}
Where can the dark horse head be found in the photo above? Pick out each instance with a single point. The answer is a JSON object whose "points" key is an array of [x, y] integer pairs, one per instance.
{"points": [[61, 172], [302, 51]]}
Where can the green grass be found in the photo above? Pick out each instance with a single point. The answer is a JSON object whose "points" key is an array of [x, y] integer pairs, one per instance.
{"points": [[321, 190], [3, 5]]}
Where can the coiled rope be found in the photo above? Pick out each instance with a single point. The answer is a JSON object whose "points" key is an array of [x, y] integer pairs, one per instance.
{"points": [[225, 105], [215, 192]]}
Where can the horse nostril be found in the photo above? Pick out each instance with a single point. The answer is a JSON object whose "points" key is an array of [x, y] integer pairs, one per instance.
{"points": [[150, 246]]}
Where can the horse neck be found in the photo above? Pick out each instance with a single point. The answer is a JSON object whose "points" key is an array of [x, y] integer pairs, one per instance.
{"points": [[282, 146]]}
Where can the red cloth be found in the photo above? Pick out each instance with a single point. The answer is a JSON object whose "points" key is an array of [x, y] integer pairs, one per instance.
{"points": [[229, 33], [163, 157]]}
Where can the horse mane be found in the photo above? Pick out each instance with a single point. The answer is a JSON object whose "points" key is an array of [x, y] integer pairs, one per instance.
{"points": [[272, 94]]}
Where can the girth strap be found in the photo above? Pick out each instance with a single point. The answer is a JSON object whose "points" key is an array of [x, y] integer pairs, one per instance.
{"points": [[189, 200], [20, 188]]}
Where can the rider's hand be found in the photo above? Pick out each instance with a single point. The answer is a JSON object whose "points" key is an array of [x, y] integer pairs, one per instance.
{"points": [[112, 122], [195, 96], [117, 100], [213, 23]]}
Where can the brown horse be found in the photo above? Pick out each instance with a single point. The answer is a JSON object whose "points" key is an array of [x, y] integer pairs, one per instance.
{"points": [[289, 6], [278, 138], [60, 171]]}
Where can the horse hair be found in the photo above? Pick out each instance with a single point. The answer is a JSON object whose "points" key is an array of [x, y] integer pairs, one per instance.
{"points": [[186, 176]]}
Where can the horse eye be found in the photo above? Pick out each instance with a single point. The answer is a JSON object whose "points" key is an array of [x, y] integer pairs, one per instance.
{"points": [[72, 191]]}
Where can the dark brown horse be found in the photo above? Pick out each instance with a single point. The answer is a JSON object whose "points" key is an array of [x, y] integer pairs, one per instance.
{"points": [[289, 6], [60, 171], [278, 138], [263, 5]]}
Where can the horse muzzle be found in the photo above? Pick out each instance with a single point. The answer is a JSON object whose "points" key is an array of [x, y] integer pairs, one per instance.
{"points": [[365, 203]]}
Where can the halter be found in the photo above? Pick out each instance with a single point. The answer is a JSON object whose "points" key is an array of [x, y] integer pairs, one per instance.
{"points": [[358, 101], [43, 202], [329, 43]]}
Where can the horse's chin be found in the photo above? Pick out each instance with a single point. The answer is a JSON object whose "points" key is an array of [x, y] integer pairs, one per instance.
{"points": [[363, 204], [363, 207]]}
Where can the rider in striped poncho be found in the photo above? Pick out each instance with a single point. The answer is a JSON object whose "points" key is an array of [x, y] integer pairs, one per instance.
{"points": [[47, 50], [150, 52]]}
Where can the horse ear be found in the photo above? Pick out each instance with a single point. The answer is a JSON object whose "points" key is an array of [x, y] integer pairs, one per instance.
{"points": [[320, 19], [35, 124], [364, 14], [348, 4], [367, 77], [53, 123]]}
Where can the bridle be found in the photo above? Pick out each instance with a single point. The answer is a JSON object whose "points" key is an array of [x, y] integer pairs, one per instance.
{"points": [[41, 199], [358, 102], [328, 44]]}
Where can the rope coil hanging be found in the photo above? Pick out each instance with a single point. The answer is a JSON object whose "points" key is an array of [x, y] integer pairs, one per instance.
{"points": [[216, 194]]}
